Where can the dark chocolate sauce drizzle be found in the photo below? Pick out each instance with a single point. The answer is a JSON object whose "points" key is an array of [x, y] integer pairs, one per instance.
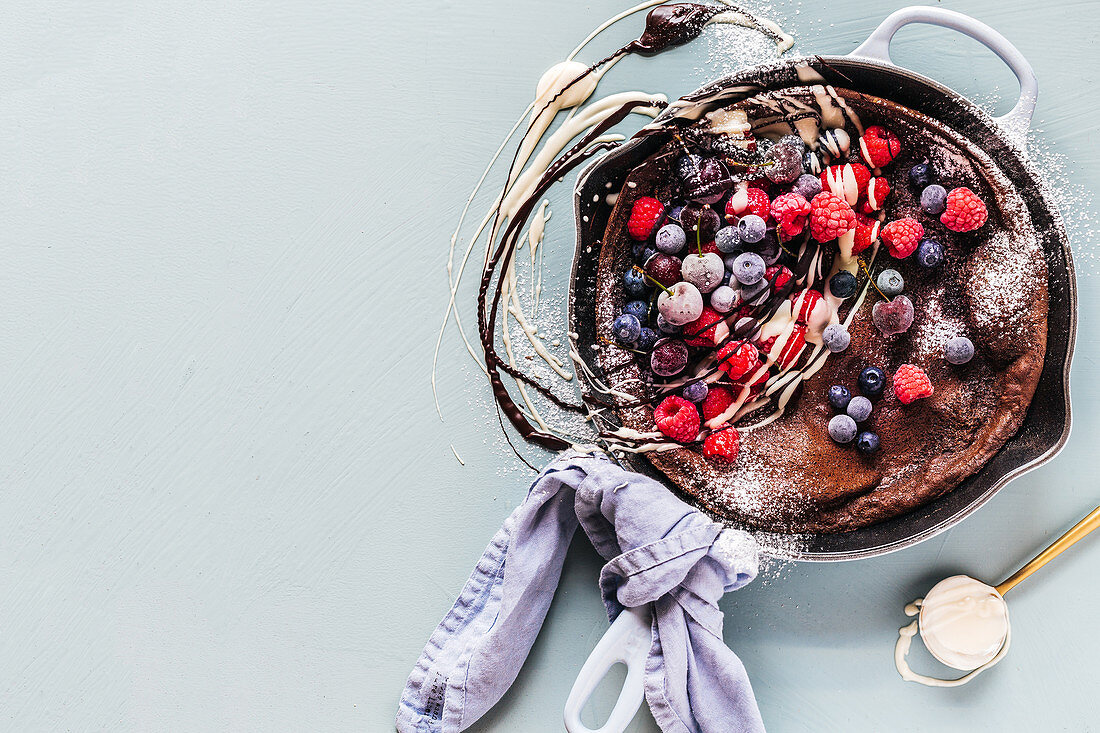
{"points": [[667, 26]]}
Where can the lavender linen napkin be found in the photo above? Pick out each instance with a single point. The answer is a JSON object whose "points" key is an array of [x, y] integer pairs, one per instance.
{"points": [[659, 551]]}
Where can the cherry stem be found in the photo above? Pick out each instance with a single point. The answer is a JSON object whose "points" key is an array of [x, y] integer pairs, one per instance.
{"points": [[609, 342], [871, 280], [654, 281]]}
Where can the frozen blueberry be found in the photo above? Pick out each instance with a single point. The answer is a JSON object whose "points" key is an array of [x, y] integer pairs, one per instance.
{"points": [[959, 350], [638, 308], [671, 238], [724, 299], [751, 228], [842, 429], [921, 175], [756, 293], [843, 284], [673, 213], [748, 267], [929, 253], [727, 277], [634, 282], [727, 240], [646, 340], [839, 396], [859, 409], [786, 163], [933, 199], [867, 443], [807, 186], [872, 381], [627, 329], [836, 338], [890, 282], [665, 327], [696, 391]]}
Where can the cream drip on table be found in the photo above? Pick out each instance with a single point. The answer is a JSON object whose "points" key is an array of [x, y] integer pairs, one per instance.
{"points": [[963, 623], [566, 86]]}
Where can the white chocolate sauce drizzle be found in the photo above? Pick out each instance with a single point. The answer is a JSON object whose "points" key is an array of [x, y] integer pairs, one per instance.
{"points": [[566, 86]]}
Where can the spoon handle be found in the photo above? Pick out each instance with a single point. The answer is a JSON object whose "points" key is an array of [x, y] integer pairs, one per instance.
{"points": [[1076, 532]]}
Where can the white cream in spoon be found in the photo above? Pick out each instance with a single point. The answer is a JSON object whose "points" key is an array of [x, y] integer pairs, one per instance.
{"points": [[963, 623]]}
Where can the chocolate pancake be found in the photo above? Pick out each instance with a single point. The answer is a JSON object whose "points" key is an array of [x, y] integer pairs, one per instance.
{"points": [[790, 476]]}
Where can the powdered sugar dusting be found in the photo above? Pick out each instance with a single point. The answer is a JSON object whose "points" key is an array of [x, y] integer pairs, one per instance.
{"points": [[934, 328], [1001, 295]]}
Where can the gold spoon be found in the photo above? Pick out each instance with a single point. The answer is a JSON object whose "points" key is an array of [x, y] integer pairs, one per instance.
{"points": [[1060, 545], [938, 649]]}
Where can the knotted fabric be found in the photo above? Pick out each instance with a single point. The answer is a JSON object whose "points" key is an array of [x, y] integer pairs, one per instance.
{"points": [[660, 551]]}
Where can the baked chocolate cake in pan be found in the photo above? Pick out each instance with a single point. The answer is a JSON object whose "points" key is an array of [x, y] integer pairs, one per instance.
{"points": [[827, 309]]}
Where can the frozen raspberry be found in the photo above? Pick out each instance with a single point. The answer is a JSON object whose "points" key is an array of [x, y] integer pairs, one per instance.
{"points": [[902, 236], [710, 248], [700, 332], [790, 212], [809, 301], [647, 213], [722, 444], [759, 377], [716, 402], [911, 383], [765, 346], [877, 191], [738, 358], [678, 419], [830, 216], [847, 181], [793, 347], [778, 276], [965, 211], [747, 201], [879, 146], [867, 231]]}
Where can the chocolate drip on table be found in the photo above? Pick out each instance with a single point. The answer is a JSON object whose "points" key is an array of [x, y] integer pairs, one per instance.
{"points": [[666, 26]]}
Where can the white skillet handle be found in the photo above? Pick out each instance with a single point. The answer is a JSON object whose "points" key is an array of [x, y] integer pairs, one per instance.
{"points": [[627, 641], [877, 46]]}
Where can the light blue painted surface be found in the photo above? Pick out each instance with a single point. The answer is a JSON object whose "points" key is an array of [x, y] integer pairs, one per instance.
{"points": [[226, 502]]}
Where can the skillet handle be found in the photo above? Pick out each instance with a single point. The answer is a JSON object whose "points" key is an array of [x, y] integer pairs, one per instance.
{"points": [[628, 641], [877, 46]]}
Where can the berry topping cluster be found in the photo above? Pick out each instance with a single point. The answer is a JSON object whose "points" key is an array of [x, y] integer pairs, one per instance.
{"points": [[724, 293], [910, 384]]}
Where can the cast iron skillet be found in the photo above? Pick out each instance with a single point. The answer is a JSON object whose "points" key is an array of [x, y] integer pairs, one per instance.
{"points": [[869, 69]]}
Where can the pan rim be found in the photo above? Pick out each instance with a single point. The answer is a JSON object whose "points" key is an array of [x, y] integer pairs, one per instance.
{"points": [[1035, 183]]}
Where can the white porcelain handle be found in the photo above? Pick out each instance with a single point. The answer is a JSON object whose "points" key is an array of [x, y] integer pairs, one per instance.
{"points": [[627, 641], [877, 46]]}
